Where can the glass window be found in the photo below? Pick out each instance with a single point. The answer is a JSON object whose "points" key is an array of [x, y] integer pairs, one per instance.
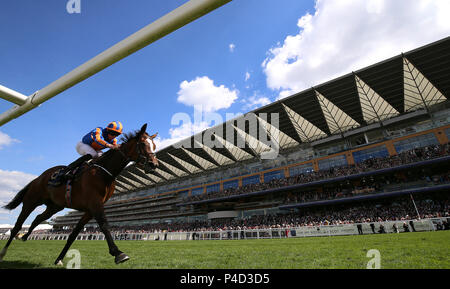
{"points": [[447, 132], [197, 191], [231, 184], [183, 193], [337, 161], [301, 169], [250, 213], [213, 188], [376, 152], [250, 180], [273, 175], [416, 142]]}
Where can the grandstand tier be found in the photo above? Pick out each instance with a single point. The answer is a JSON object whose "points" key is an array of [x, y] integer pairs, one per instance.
{"points": [[368, 138]]}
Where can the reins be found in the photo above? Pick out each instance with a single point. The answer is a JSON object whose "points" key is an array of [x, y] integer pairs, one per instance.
{"points": [[141, 159]]}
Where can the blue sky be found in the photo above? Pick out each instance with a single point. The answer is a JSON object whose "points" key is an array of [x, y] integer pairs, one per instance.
{"points": [[243, 55]]}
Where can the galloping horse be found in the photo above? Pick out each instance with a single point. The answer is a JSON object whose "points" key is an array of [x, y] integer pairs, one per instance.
{"points": [[90, 190]]}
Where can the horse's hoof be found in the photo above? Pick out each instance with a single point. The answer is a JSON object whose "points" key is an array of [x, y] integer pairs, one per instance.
{"points": [[59, 263], [2, 254], [121, 258]]}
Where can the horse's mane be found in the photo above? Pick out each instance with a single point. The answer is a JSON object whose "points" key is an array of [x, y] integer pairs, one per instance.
{"points": [[129, 136], [124, 138]]}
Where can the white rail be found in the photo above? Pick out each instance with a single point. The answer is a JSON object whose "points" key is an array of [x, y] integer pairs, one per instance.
{"points": [[168, 23], [423, 225], [12, 96]]}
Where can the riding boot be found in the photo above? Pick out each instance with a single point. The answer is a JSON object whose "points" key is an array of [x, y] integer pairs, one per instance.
{"points": [[69, 169]]}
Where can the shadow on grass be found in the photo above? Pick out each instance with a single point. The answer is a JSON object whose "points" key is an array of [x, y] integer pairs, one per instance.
{"points": [[24, 265]]}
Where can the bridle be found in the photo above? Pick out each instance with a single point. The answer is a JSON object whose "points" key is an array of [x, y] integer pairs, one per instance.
{"points": [[142, 158]]}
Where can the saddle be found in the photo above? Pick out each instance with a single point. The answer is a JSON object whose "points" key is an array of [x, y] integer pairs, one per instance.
{"points": [[68, 173], [59, 177]]}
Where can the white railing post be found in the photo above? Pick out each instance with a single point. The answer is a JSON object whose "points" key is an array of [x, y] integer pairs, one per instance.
{"points": [[12, 96]]}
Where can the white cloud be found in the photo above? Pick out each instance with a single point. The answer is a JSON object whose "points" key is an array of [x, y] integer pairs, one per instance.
{"points": [[286, 93], [344, 36], [6, 140], [12, 182], [255, 101], [180, 133], [247, 76], [231, 47], [35, 158], [202, 92]]}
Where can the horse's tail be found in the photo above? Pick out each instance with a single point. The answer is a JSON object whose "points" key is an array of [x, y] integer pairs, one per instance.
{"points": [[17, 199]]}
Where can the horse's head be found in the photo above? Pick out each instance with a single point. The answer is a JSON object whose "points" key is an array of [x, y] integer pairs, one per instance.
{"points": [[141, 150]]}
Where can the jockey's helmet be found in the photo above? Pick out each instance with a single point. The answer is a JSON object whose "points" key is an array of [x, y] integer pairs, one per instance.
{"points": [[115, 127]]}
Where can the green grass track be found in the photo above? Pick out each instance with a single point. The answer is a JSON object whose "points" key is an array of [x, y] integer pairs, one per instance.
{"points": [[404, 250]]}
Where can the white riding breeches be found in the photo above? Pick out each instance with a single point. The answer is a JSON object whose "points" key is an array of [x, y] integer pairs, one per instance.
{"points": [[84, 149]]}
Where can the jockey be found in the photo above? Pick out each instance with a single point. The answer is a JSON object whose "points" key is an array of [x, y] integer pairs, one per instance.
{"points": [[94, 142]]}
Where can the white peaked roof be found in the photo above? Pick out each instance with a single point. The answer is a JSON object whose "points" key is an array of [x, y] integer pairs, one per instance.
{"points": [[374, 108], [402, 84], [284, 141], [337, 119], [419, 91], [307, 131], [43, 227]]}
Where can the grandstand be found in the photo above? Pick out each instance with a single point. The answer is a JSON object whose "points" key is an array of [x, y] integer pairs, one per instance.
{"points": [[369, 140]]}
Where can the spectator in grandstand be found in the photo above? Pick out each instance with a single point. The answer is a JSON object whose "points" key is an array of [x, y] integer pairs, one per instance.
{"points": [[360, 231], [431, 205], [411, 223], [372, 226], [405, 227], [368, 185], [446, 225], [395, 228], [382, 230]]}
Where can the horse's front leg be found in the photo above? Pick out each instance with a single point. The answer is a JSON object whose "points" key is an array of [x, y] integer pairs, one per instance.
{"points": [[104, 227], [83, 221]]}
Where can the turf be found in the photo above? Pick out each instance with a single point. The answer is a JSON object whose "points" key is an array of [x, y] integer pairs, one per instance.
{"points": [[406, 250]]}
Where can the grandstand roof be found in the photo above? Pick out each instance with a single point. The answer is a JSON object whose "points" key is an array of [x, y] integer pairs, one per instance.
{"points": [[405, 83]]}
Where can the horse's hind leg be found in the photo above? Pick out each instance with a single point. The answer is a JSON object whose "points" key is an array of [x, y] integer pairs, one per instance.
{"points": [[49, 211], [104, 227], [26, 211], [83, 221]]}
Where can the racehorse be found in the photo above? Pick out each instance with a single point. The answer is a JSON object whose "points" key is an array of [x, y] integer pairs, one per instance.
{"points": [[91, 188]]}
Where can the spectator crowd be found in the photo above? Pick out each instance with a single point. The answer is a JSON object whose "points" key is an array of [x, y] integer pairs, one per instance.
{"points": [[411, 156], [401, 208]]}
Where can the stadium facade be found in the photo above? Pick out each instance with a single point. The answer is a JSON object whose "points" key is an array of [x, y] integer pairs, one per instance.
{"points": [[381, 111]]}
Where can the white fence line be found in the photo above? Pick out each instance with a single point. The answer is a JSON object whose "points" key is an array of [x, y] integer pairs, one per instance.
{"points": [[270, 233]]}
